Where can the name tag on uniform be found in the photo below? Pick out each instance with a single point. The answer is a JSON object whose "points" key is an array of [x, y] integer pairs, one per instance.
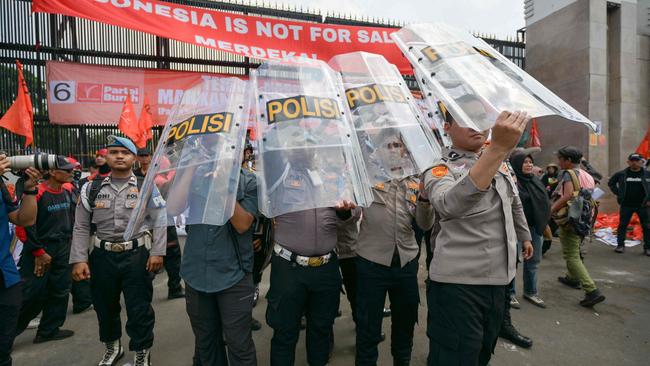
{"points": [[103, 204]]}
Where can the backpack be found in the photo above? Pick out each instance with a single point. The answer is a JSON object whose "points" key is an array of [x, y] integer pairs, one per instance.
{"points": [[580, 208]]}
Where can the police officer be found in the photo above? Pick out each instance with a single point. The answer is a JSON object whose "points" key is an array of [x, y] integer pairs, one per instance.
{"points": [[478, 220], [172, 261], [305, 276], [217, 268], [116, 266], [387, 255]]}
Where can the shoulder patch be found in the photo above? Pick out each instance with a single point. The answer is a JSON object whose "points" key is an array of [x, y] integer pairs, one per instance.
{"points": [[439, 171]]}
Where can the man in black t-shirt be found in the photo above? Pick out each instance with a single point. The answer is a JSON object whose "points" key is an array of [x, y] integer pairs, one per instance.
{"points": [[632, 188], [43, 264]]}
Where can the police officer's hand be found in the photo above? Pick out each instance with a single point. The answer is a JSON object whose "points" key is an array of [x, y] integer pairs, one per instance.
{"points": [[155, 263], [345, 206], [4, 164], [507, 130], [42, 264], [34, 176], [80, 271], [527, 250], [257, 245]]}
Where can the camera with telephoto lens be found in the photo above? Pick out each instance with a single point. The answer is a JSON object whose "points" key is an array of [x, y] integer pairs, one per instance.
{"points": [[40, 161]]}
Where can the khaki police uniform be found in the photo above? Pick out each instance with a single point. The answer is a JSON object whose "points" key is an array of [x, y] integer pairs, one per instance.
{"points": [[118, 267], [474, 257], [387, 264]]}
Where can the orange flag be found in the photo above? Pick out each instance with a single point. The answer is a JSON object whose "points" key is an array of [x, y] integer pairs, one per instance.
{"points": [[644, 146], [19, 118], [534, 135], [146, 121], [128, 123]]}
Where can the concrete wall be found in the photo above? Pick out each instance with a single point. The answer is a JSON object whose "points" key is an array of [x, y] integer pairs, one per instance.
{"points": [[594, 57], [566, 51]]}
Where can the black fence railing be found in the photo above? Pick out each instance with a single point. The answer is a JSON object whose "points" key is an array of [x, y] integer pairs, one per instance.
{"points": [[34, 38]]}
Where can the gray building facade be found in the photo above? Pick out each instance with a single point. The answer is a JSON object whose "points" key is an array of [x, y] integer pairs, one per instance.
{"points": [[594, 54]]}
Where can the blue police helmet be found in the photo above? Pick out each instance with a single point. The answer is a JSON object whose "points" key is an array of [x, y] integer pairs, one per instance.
{"points": [[116, 141]]}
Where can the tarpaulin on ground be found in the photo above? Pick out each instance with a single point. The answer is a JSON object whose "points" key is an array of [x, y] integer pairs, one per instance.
{"points": [[606, 229], [251, 36], [92, 94]]}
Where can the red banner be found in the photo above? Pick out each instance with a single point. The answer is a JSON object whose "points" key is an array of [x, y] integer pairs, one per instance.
{"points": [[90, 94], [252, 36]]}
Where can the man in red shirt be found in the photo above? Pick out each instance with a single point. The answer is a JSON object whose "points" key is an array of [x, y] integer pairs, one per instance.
{"points": [[44, 262]]}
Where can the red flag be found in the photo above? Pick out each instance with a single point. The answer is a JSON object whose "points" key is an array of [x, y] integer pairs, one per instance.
{"points": [[534, 135], [146, 121], [128, 123], [644, 146], [19, 118]]}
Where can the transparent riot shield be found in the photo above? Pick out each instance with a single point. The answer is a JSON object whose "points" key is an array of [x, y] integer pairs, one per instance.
{"points": [[473, 80], [309, 156], [196, 166], [395, 140]]}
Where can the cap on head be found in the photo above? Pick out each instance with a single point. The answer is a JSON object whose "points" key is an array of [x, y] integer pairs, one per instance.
{"points": [[635, 157], [101, 152], [570, 153], [116, 141], [63, 163], [144, 152]]}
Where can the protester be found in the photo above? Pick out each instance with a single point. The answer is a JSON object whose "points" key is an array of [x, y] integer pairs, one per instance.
{"points": [[144, 162], [473, 198], [573, 179], [632, 189], [217, 268], [550, 178], [44, 264], [114, 266], [22, 214], [537, 209], [386, 261]]}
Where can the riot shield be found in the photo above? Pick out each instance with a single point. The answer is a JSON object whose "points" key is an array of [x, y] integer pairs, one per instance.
{"points": [[474, 81], [196, 166], [394, 138], [309, 156]]}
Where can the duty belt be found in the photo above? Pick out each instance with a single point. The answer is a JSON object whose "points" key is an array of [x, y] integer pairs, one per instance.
{"points": [[118, 247], [301, 260]]}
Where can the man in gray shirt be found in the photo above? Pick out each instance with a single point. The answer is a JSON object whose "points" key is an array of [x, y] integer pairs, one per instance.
{"points": [[479, 219], [116, 266]]}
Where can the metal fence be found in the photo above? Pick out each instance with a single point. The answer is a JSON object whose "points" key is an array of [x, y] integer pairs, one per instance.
{"points": [[35, 38]]}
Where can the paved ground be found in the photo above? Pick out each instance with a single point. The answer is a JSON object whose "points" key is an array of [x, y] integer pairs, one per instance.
{"points": [[616, 332]]}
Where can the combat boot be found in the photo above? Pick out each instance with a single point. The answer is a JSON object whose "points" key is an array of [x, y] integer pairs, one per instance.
{"points": [[142, 358], [114, 352]]}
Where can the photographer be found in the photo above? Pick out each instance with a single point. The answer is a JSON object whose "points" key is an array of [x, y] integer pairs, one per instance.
{"points": [[10, 285]]}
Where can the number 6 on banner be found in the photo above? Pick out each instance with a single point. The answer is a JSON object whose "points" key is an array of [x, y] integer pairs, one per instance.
{"points": [[62, 91]]}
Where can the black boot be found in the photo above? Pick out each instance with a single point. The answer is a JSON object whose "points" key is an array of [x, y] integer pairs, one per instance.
{"points": [[546, 245], [509, 332]]}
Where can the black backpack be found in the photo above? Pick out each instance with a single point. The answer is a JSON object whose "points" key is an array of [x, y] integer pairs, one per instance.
{"points": [[582, 208]]}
